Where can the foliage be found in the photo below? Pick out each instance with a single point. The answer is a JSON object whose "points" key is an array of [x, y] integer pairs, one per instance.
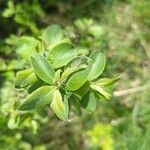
{"points": [[117, 29], [60, 75]]}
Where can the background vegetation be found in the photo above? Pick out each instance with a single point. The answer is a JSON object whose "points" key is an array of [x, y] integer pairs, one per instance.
{"points": [[120, 29]]}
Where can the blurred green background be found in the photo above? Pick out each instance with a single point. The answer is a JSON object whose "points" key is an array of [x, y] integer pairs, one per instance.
{"points": [[120, 29]]}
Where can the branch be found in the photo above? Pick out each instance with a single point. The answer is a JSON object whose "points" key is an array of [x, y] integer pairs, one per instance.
{"points": [[129, 91]]}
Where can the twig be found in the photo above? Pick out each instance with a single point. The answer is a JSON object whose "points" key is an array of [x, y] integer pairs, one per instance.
{"points": [[129, 91]]}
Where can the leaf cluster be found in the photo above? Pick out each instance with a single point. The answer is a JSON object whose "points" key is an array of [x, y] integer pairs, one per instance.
{"points": [[60, 76]]}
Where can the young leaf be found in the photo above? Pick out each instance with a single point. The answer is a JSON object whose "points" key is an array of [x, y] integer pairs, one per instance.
{"points": [[68, 71], [78, 79], [42, 68], [52, 34], [100, 91], [99, 61], [89, 102], [61, 54], [58, 106], [57, 75], [25, 78], [39, 98], [106, 81], [80, 60], [75, 65], [66, 106]]}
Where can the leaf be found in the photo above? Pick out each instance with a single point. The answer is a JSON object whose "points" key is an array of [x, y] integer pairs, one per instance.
{"points": [[82, 91], [75, 105], [27, 46], [75, 65], [52, 34], [89, 102], [61, 54], [68, 71], [3, 65], [78, 79], [83, 24], [10, 10], [35, 86], [106, 81], [14, 121], [57, 75], [97, 31], [66, 106], [58, 106], [42, 68], [99, 61], [100, 91], [39, 98], [25, 78], [80, 60]]}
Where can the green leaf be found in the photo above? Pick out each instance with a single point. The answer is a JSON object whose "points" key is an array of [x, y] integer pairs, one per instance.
{"points": [[10, 10], [35, 86], [82, 91], [14, 121], [106, 81], [58, 106], [27, 46], [42, 68], [39, 98], [97, 31], [83, 24], [68, 71], [61, 54], [78, 79], [89, 102], [80, 60], [99, 61], [66, 106], [100, 91], [57, 75], [75, 65], [75, 105], [52, 34], [25, 78], [3, 65]]}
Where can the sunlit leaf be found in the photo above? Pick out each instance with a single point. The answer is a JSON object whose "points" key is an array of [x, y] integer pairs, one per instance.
{"points": [[57, 75], [78, 79], [68, 71], [98, 65], [13, 121], [66, 104], [10, 10], [25, 78], [3, 65], [42, 68], [96, 30], [27, 46], [58, 106], [106, 81], [61, 54], [52, 34], [39, 98], [100, 91]]}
